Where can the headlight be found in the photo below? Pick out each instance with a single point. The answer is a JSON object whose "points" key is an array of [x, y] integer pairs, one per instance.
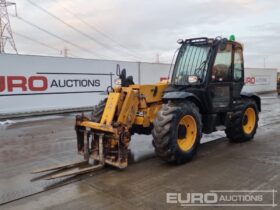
{"points": [[192, 79], [118, 82]]}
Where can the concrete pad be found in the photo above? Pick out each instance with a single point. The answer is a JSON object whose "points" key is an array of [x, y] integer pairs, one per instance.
{"points": [[219, 165]]}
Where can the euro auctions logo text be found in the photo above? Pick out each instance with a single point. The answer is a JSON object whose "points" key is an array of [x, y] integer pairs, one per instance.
{"points": [[192, 198], [224, 198], [41, 83], [33, 83]]}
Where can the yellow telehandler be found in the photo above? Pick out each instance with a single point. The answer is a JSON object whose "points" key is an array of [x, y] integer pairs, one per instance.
{"points": [[203, 95]]}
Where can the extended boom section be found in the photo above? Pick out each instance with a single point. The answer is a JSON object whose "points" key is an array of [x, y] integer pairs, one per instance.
{"points": [[106, 139]]}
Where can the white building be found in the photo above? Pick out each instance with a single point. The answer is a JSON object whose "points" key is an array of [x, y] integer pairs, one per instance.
{"points": [[40, 83]]}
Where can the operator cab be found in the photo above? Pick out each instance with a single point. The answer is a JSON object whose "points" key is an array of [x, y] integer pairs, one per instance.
{"points": [[212, 70]]}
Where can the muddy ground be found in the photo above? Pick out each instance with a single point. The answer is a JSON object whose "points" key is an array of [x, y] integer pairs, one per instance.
{"points": [[38, 142]]}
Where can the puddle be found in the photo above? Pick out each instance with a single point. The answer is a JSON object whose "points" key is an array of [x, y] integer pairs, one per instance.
{"points": [[5, 124]]}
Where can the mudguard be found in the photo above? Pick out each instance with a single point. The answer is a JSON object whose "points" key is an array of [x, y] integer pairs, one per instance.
{"points": [[178, 95], [182, 95], [253, 96]]}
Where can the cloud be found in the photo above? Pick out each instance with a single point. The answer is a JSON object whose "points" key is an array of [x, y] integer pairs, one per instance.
{"points": [[145, 28]]}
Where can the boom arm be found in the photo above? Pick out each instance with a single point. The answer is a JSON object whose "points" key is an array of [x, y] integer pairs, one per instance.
{"points": [[125, 107]]}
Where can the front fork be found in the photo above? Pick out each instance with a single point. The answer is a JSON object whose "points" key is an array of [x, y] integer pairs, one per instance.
{"points": [[105, 148]]}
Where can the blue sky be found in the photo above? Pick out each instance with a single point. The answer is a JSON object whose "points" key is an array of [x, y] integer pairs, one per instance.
{"points": [[142, 29]]}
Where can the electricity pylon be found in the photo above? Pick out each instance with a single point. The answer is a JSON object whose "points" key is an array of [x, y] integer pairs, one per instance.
{"points": [[6, 34]]}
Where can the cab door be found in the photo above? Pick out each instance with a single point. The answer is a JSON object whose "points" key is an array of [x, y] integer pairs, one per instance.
{"points": [[220, 86], [238, 72]]}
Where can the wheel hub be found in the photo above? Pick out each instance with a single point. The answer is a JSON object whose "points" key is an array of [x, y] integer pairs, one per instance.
{"points": [[182, 132], [249, 120], [187, 133], [245, 120]]}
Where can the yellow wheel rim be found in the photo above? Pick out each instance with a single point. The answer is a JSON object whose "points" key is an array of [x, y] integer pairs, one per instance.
{"points": [[187, 141], [249, 120]]}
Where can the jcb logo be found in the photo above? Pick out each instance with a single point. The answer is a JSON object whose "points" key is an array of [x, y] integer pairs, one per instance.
{"points": [[250, 80], [33, 83]]}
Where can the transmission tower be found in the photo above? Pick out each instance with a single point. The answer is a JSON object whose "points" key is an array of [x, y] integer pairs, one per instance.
{"points": [[6, 34]]}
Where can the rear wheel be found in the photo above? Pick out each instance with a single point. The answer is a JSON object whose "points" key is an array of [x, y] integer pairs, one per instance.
{"points": [[177, 132], [244, 123]]}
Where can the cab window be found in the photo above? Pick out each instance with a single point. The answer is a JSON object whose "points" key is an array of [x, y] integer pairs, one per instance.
{"points": [[222, 65], [238, 65]]}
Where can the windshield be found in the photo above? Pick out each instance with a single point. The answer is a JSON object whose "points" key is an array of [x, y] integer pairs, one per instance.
{"points": [[191, 60]]}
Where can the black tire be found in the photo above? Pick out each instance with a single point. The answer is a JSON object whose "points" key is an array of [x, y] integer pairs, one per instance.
{"points": [[97, 111], [165, 132], [235, 131]]}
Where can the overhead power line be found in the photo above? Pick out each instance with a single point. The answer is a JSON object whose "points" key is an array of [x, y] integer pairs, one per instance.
{"points": [[42, 43], [106, 46], [68, 25], [36, 41], [56, 36], [97, 30]]}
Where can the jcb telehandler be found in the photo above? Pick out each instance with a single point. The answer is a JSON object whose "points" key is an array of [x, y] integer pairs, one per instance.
{"points": [[202, 96]]}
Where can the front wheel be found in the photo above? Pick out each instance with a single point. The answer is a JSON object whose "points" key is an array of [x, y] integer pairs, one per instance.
{"points": [[177, 132]]}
